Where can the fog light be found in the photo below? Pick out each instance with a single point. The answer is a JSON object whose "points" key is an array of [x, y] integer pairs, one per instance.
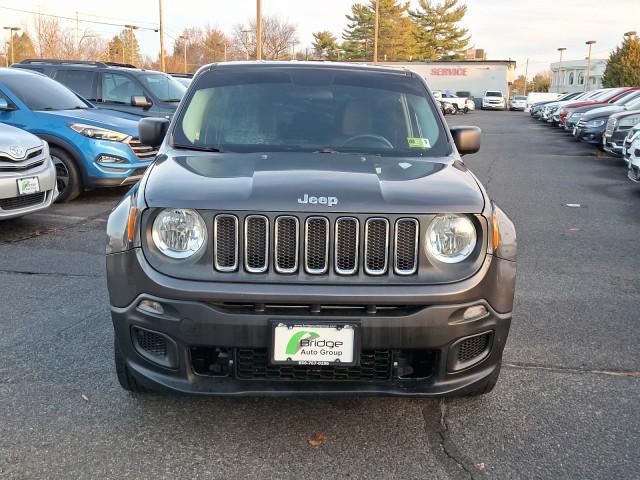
{"points": [[110, 160], [151, 306], [475, 312]]}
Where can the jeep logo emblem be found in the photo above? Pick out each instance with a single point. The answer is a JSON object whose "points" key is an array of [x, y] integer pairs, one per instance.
{"points": [[328, 201]]}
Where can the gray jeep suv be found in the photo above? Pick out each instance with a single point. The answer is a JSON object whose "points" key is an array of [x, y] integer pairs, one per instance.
{"points": [[309, 229]]}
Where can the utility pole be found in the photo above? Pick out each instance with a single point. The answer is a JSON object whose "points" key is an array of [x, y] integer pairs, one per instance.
{"points": [[526, 73], [77, 35], [184, 45], [376, 27], [586, 83], [11, 32], [561, 50], [258, 30], [162, 64]]}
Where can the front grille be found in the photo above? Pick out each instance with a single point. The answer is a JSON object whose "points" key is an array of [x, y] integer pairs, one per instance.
{"points": [[24, 201], [152, 343], [406, 246], [143, 152], [376, 246], [253, 364], [316, 241], [18, 167], [472, 347], [287, 240], [225, 241]]}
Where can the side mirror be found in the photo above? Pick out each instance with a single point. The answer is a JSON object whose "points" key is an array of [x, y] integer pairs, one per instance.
{"points": [[4, 105], [152, 131], [467, 139], [140, 101]]}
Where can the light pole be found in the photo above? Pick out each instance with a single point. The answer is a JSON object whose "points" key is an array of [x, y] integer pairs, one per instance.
{"points": [[131, 29], [11, 31], [376, 27], [258, 29], [184, 39], [586, 83], [630, 35], [561, 50]]}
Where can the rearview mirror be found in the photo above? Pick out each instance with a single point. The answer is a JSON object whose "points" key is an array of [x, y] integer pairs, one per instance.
{"points": [[140, 101], [467, 139], [4, 105], [152, 131]]}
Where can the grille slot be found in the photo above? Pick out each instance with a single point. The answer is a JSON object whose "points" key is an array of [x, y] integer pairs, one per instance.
{"points": [[17, 167], [253, 364], [376, 246], [143, 152], [316, 244], [346, 245], [286, 244], [225, 235], [472, 347], [256, 243], [406, 246], [23, 201]]}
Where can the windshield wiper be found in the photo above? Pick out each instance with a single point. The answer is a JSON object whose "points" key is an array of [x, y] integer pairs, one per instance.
{"points": [[200, 148], [173, 100]]}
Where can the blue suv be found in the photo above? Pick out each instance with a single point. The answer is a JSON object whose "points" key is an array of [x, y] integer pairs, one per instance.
{"points": [[90, 147]]}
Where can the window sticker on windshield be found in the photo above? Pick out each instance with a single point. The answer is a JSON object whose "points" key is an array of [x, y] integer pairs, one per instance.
{"points": [[415, 142]]}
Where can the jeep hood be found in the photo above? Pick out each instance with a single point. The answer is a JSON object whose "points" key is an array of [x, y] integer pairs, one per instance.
{"points": [[275, 182]]}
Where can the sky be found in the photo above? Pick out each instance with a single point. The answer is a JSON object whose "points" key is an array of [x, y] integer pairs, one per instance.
{"points": [[515, 29]]}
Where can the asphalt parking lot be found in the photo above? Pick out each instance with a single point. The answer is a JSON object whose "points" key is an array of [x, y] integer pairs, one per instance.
{"points": [[566, 405]]}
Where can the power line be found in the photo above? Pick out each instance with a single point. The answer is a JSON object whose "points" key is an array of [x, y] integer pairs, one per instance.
{"points": [[71, 18]]}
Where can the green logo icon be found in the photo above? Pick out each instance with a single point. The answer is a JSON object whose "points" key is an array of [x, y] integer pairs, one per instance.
{"points": [[294, 342]]}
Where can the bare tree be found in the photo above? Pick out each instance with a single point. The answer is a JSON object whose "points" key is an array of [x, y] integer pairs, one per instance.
{"points": [[278, 38]]}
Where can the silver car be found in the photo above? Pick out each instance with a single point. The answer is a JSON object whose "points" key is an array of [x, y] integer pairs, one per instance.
{"points": [[27, 175]]}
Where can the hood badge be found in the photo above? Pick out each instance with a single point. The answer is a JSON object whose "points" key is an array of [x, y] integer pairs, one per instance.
{"points": [[16, 151], [328, 201]]}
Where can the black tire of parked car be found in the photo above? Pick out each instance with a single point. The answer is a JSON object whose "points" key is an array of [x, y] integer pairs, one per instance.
{"points": [[455, 109], [68, 175], [466, 110], [126, 380]]}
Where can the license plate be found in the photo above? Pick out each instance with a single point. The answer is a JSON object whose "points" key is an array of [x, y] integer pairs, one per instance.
{"points": [[314, 343], [29, 185]]}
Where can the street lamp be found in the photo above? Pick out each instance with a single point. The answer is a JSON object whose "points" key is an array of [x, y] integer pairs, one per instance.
{"points": [[586, 83], [184, 39], [11, 32], [561, 50], [630, 35]]}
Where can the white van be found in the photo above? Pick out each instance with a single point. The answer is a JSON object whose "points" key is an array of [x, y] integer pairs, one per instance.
{"points": [[535, 97]]}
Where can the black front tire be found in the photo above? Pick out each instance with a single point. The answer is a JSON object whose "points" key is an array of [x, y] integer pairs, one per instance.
{"points": [[126, 380], [455, 109], [68, 176]]}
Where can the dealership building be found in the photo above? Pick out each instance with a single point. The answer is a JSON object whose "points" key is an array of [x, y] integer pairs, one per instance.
{"points": [[475, 76]]}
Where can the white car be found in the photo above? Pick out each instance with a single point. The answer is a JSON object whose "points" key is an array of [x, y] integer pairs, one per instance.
{"points": [[633, 154], [494, 99], [519, 102], [27, 174], [459, 103]]}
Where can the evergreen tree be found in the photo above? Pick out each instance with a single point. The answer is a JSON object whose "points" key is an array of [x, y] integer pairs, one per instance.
{"points": [[437, 34], [23, 47], [623, 67], [395, 31], [124, 48], [325, 45]]}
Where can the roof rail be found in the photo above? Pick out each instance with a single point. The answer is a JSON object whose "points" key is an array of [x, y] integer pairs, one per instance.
{"points": [[55, 61], [63, 62]]}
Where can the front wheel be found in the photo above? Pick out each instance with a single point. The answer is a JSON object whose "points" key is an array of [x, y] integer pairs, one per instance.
{"points": [[455, 109], [68, 177], [125, 379]]}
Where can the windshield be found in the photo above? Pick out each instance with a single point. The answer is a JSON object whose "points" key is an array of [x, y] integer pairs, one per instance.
{"points": [[38, 92], [164, 87], [518, 97], [311, 109], [628, 97], [493, 94]]}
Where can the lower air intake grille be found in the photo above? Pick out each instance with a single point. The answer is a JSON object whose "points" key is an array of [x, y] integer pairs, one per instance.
{"points": [[472, 347], [24, 201], [152, 343], [253, 364], [225, 232], [286, 248]]}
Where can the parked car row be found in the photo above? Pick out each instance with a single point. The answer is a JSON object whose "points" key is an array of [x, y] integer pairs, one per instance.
{"points": [[454, 102], [608, 118], [78, 126]]}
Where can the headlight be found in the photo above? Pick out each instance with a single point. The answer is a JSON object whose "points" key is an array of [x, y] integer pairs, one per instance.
{"points": [[450, 238], [629, 121], [99, 133], [179, 233], [595, 123]]}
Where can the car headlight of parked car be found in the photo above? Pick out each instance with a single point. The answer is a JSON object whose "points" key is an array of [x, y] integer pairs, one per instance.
{"points": [[99, 133], [630, 121], [576, 116], [179, 233], [450, 238], [594, 123]]}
